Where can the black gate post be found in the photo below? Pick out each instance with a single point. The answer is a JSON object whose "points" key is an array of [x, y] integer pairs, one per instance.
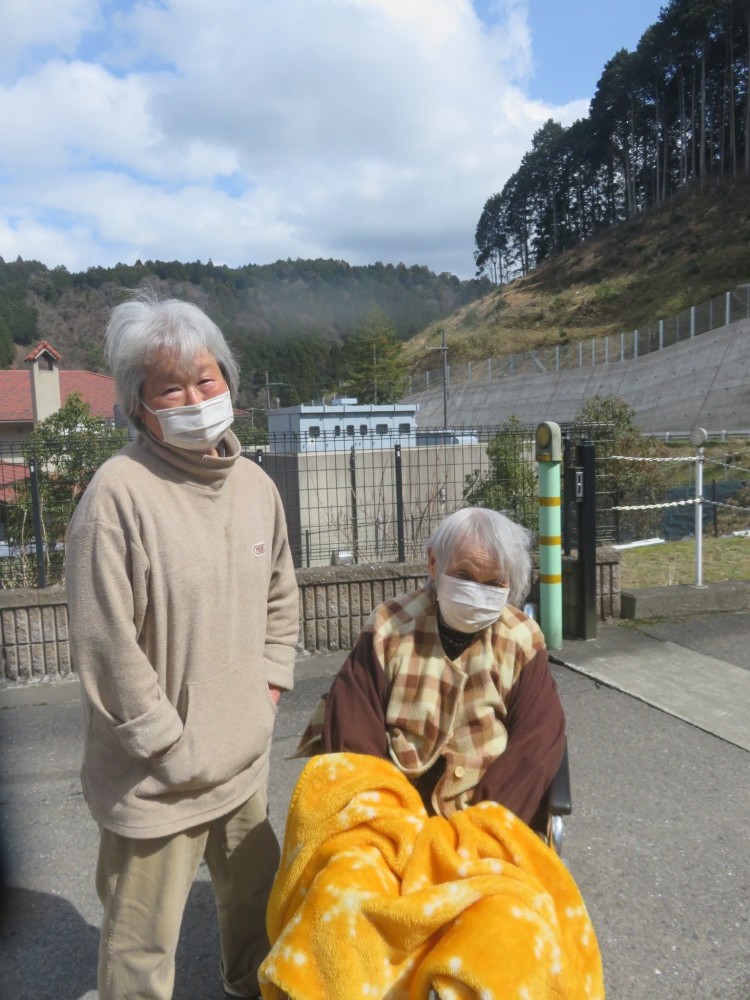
{"points": [[568, 498], [587, 570], [399, 505]]}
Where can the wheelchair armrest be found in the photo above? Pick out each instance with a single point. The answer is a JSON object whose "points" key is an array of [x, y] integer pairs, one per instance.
{"points": [[559, 801]]}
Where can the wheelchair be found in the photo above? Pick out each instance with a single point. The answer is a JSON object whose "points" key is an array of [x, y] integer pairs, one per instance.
{"points": [[549, 822], [557, 804]]}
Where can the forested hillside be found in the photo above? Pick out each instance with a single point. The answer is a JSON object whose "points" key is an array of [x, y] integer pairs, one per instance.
{"points": [[629, 215], [681, 254], [288, 322], [670, 117]]}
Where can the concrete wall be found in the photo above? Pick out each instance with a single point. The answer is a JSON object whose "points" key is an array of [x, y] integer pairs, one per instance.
{"points": [[334, 604], [702, 382], [316, 490]]}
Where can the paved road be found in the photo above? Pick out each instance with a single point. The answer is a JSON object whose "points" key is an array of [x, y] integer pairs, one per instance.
{"points": [[658, 842]]}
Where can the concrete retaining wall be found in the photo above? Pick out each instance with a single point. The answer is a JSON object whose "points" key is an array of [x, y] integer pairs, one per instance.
{"points": [[334, 604], [702, 382]]}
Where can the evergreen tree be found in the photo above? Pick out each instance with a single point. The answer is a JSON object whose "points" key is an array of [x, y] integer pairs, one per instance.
{"points": [[376, 371], [63, 453]]}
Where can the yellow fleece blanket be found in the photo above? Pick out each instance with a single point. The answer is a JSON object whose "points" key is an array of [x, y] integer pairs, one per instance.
{"points": [[374, 899]]}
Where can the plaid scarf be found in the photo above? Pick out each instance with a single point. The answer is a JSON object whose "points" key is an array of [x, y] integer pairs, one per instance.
{"points": [[442, 707]]}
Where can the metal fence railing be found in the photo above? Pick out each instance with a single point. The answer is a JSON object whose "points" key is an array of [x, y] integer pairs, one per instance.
{"points": [[730, 307], [377, 501]]}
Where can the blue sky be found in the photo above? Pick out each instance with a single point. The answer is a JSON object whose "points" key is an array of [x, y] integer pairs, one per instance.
{"points": [[247, 131], [571, 40]]}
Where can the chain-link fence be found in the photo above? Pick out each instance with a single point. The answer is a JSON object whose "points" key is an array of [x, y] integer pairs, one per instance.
{"points": [[377, 501], [380, 499]]}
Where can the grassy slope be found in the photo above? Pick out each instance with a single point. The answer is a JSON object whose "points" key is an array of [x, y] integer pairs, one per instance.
{"points": [[683, 254], [690, 250], [673, 563]]}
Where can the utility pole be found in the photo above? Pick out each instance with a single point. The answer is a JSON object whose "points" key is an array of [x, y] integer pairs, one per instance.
{"points": [[268, 391], [444, 349]]}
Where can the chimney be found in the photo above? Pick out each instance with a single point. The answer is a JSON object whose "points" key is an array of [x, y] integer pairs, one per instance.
{"points": [[45, 380]]}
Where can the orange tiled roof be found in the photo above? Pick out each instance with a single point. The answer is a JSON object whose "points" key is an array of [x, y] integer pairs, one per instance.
{"points": [[15, 393], [10, 474], [40, 348]]}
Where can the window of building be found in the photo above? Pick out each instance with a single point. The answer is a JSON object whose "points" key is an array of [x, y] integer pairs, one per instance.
{"points": [[313, 431], [381, 428], [363, 429], [350, 430], [337, 430], [404, 428]]}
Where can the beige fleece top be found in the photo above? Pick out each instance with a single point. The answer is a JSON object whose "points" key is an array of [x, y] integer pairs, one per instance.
{"points": [[183, 608]]}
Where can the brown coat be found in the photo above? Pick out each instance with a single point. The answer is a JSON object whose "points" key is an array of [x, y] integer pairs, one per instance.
{"points": [[487, 725]]}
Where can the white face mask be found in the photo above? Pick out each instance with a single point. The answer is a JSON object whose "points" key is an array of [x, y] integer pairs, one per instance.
{"points": [[198, 427], [467, 606]]}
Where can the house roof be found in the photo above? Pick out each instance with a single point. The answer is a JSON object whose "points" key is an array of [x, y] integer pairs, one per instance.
{"points": [[10, 474], [41, 348], [16, 405]]}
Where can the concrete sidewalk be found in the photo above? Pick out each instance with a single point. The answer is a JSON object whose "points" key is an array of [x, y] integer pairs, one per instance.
{"points": [[647, 662], [647, 790]]}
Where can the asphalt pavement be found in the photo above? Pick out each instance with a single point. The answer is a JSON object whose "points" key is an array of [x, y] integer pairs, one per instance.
{"points": [[659, 839]]}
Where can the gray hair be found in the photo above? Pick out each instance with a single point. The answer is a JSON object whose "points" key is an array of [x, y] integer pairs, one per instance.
{"points": [[145, 325], [497, 535]]}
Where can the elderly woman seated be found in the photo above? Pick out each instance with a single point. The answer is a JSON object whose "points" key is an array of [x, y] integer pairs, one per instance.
{"points": [[451, 682], [409, 868]]}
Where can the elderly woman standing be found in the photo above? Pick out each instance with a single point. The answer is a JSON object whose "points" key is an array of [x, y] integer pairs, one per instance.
{"points": [[452, 682], [183, 624]]}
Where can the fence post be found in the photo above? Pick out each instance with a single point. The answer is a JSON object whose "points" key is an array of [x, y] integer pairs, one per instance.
{"points": [[727, 308], [587, 539], [400, 506], [698, 438], [568, 494], [549, 455], [36, 508]]}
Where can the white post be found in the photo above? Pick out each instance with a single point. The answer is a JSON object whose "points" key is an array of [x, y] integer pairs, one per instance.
{"points": [[698, 437]]}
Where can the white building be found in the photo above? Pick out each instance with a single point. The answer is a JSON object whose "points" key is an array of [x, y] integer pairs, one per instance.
{"points": [[338, 425]]}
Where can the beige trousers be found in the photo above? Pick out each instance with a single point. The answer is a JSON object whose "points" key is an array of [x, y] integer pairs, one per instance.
{"points": [[144, 886]]}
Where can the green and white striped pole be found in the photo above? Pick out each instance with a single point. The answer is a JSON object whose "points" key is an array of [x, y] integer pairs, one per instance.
{"points": [[548, 443]]}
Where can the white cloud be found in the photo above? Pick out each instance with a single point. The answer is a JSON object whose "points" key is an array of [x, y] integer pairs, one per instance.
{"points": [[43, 27], [263, 129]]}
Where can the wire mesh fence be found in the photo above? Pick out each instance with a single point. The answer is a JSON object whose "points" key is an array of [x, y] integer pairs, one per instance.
{"points": [[376, 501], [379, 499]]}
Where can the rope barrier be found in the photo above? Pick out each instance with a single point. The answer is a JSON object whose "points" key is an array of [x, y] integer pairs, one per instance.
{"points": [[686, 458], [727, 506], [633, 458], [723, 465], [683, 503], [658, 506]]}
